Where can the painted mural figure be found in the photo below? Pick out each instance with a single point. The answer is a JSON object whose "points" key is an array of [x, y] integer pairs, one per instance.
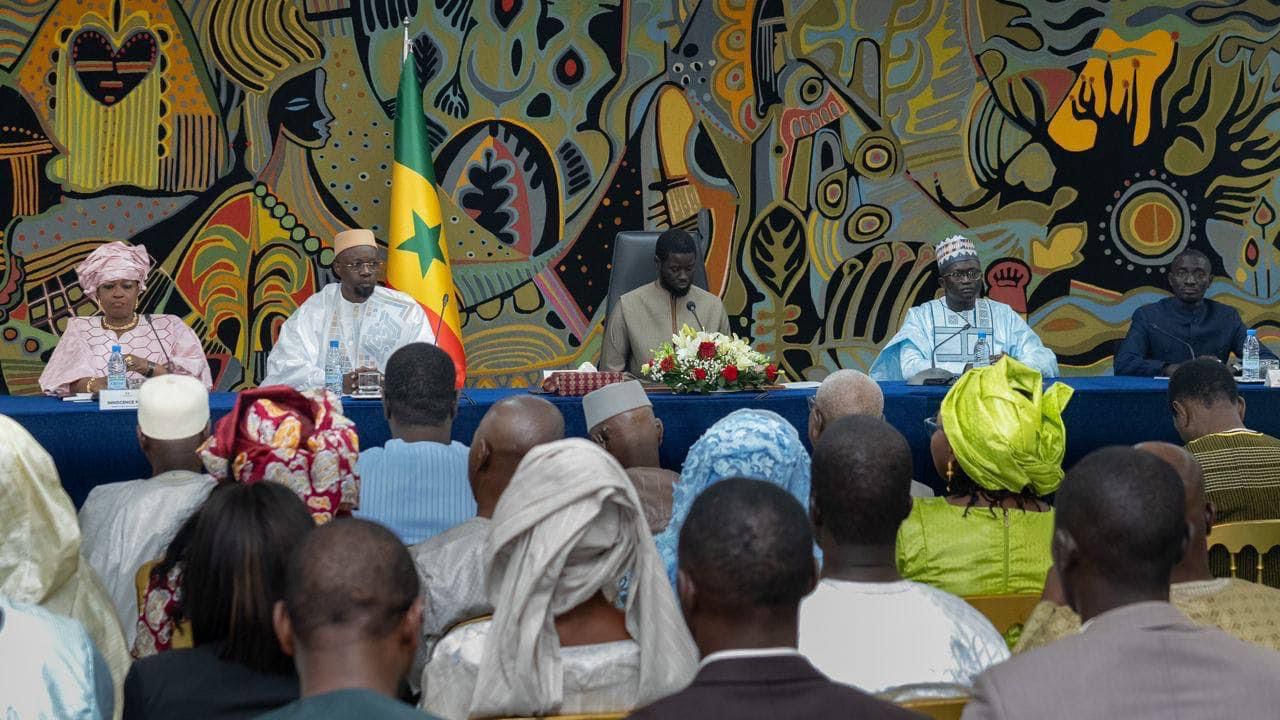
{"points": [[942, 333], [369, 321], [648, 316], [1169, 332], [115, 275]]}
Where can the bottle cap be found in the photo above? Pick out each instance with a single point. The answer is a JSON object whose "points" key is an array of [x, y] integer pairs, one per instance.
{"points": [[1252, 332], [115, 348], [333, 343], [982, 336]]}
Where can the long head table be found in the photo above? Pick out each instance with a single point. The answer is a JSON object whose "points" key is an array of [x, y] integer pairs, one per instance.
{"points": [[92, 447]]}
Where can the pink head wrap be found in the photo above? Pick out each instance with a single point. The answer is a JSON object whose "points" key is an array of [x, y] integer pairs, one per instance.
{"points": [[114, 261]]}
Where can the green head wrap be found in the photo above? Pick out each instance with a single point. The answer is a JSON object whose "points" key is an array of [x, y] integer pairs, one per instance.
{"points": [[1005, 430]]}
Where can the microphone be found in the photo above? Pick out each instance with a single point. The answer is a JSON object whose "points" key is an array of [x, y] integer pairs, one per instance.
{"points": [[444, 303], [694, 310], [1191, 352], [933, 364], [168, 361]]}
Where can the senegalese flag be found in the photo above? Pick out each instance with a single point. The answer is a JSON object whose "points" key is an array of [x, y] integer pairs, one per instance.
{"points": [[417, 256]]}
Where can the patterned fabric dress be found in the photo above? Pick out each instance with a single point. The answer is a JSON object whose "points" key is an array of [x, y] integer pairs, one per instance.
{"points": [[85, 345]]}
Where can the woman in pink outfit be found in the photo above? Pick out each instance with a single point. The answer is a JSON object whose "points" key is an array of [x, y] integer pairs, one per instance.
{"points": [[115, 275]]}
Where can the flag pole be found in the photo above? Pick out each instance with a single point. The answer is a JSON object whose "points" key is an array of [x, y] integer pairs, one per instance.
{"points": [[405, 52]]}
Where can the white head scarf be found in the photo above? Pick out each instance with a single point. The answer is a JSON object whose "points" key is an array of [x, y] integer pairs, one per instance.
{"points": [[569, 526]]}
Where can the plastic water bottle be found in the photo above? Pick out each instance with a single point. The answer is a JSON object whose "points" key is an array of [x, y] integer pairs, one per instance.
{"points": [[981, 352], [1249, 360], [115, 370], [333, 368]]}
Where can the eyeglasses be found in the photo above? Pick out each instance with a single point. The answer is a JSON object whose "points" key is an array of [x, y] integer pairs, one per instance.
{"points": [[1197, 275], [932, 423], [362, 265], [963, 275]]}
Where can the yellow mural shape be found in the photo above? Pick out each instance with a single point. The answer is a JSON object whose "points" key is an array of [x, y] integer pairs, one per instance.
{"points": [[1133, 67]]}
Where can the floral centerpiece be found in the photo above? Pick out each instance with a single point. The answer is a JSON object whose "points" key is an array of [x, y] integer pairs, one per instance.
{"points": [[707, 361]]}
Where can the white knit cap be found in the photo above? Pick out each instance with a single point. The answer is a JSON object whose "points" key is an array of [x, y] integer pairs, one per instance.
{"points": [[172, 407], [613, 399]]}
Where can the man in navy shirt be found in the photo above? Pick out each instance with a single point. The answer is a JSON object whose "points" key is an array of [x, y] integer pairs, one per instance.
{"points": [[1167, 333]]}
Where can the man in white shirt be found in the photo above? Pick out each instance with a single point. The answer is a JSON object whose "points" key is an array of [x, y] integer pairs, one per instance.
{"points": [[368, 321], [126, 524], [864, 625]]}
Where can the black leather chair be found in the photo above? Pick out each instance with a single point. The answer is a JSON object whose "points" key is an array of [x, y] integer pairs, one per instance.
{"points": [[633, 264]]}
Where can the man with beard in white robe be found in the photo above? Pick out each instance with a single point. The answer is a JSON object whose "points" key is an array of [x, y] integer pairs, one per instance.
{"points": [[369, 321]]}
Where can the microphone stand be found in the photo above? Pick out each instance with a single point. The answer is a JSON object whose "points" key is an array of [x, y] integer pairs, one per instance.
{"points": [[1191, 352], [935, 375], [692, 308]]}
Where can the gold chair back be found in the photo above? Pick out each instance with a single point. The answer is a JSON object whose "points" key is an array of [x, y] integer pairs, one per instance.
{"points": [[939, 708], [1261, 535], [181, 633], [1006, 612]]}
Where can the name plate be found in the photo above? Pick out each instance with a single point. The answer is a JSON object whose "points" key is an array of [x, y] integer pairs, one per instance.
{"points": [[117, 399]]}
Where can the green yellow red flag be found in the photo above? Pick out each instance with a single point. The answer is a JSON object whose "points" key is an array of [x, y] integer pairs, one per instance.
{"points": [[417, 255]]}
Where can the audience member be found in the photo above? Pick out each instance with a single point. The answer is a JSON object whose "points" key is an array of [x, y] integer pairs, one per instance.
{"points": [[126, 524], [745, 563], [451, 565], [51, 669], [566, 535], [864, 625], [1241, 467], [1246, 610], [233, 570], [1121, 527], [416, 484], [850, 392], [755, 444], [40, 562], [620, 419], [999, 443], [351, 617], [272, 434]]}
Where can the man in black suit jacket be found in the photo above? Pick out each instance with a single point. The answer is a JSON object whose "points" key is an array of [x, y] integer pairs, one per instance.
{"points": [[746, 562]]}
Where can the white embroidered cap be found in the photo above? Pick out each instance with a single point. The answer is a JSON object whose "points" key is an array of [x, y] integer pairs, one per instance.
{"points": [[613, 399], [172, 407], [953, 250]]}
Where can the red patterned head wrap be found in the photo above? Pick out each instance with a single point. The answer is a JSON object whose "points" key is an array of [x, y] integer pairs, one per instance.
{"points": [[302, 441]]}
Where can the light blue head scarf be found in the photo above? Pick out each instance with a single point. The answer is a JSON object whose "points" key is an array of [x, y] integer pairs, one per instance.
{"points": [[756, 444]]}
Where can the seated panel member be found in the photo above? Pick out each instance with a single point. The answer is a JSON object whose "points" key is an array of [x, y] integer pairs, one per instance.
{"points": [[1169, 332], [369, 321], [648, 316], [942, 323], [114, 276]]}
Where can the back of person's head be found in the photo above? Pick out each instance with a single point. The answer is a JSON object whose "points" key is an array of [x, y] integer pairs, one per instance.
{"points": [[746, 546], [1121, 515], [1204, 381], [861, 481], [849, 392], [674, 242], [419, 385], [351, 577], [234, 569]]}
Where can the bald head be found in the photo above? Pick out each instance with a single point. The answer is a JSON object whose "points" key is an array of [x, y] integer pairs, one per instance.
{"points": [[510, 429], [844, 393], [1199, 511]]}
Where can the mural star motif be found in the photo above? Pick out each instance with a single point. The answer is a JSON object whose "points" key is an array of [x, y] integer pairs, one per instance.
{"points": [[425, 243]]}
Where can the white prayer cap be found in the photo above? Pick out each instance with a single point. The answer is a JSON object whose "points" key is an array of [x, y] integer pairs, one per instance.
{"points": [[613, 399], [348, 239], [172, 407]]}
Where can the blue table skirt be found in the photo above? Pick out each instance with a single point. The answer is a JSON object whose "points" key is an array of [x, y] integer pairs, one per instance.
{"points": [[92, 447]]}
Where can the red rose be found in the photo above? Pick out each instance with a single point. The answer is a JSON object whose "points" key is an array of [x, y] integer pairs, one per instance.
{"points": [[699, 374], [667, 365], [729, 373], [771, 372], [707, 350]]}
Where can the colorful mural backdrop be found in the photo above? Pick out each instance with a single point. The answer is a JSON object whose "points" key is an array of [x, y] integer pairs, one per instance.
{"points": [[1082, 144]]}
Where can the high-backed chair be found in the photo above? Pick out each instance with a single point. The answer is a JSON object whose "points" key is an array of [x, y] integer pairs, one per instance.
{"points": [[633, 261], [1261, 535], [1007, 613]]}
